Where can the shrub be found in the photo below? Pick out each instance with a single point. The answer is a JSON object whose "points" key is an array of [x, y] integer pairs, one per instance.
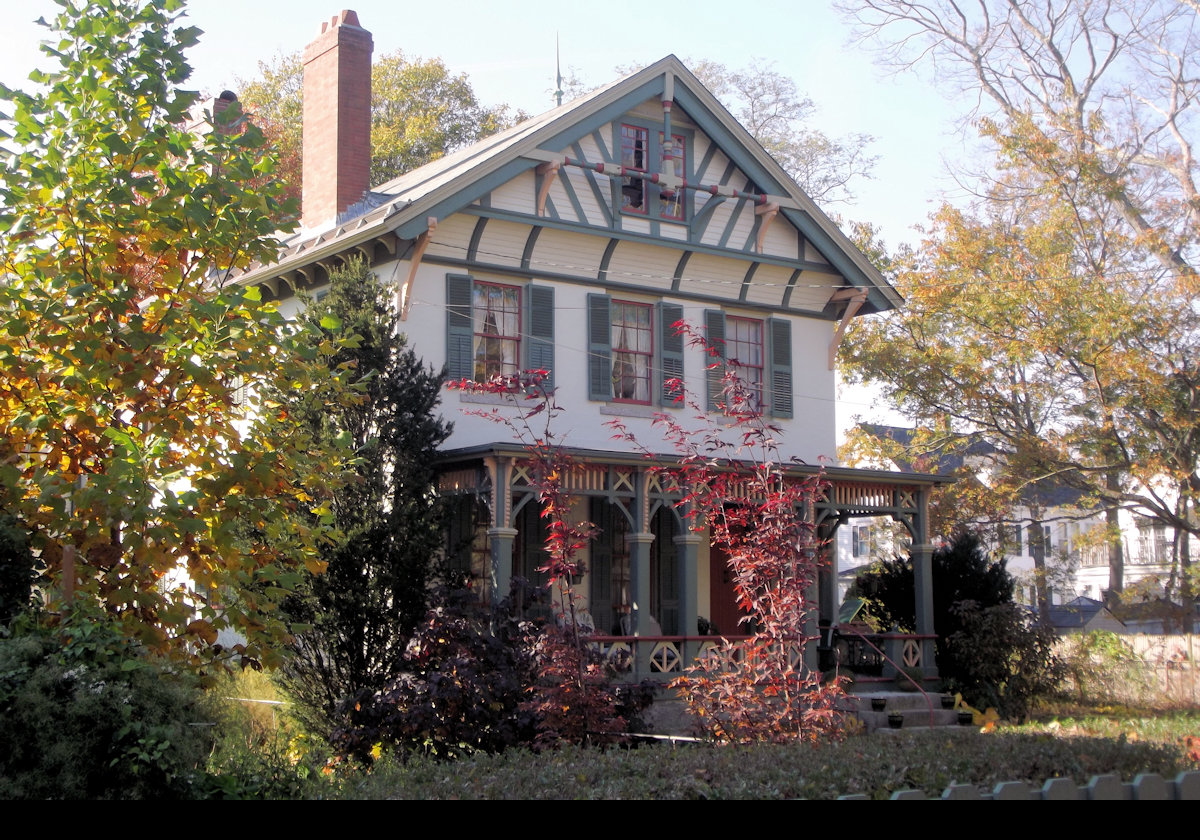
{"points": [[463, 680], [86, 715], [1005, 660], [573, 698]]}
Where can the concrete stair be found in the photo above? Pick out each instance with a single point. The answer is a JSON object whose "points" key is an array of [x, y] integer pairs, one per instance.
{"points": [[911, 704]]}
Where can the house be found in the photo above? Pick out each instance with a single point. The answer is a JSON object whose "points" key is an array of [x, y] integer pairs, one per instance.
{"points": [[572, 243], [1084, 615], [1050, 517]]}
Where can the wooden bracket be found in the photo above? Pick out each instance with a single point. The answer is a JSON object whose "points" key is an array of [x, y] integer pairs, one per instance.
{"points": [[548, 172], [855, 298], [768, 211], [405, 293]]}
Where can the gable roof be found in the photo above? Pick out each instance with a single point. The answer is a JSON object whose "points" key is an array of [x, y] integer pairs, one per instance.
{"points": [[404, 205], [1045, 492]]}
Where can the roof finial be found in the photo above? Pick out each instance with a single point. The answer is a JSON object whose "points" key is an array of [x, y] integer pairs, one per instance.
{"points": [[558, 91]]}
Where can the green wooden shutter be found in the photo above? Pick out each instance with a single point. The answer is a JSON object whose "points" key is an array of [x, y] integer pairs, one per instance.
{"points": [[599, 348], [780, 375], [600, 563], [671, 366], [460, 332], [714, 331], [540, 344]]}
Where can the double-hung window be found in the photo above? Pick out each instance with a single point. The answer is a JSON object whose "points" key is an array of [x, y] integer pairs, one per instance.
{"points": [[642, 149], [744, 352], [495, 329], [634, 353], [496, 321], [759, 353]]}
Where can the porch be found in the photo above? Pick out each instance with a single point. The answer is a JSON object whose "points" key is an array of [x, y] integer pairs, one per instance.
{"points": [[652, 585]]}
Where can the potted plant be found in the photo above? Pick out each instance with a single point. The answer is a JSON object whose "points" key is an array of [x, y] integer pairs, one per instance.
{"points": [[895, 719]]}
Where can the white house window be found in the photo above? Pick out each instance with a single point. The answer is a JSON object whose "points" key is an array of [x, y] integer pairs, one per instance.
{"points": [[497, 327], [860, 541], [625, 361], [632, 351], [765, 370]]}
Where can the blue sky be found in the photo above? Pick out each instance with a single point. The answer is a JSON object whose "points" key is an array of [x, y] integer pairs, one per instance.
{"points": [[507, 50]]}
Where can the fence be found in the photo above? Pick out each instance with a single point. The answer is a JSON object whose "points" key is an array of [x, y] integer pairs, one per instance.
{"points": [[1185, 786], [1133, 668]]}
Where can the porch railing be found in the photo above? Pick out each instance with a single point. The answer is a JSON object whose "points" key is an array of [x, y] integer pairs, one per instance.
{"points": [[666, 657]]}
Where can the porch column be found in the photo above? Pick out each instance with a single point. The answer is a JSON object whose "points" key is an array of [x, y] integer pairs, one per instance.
{"points": [[922, 556], [827, 574], [639, 576], [687, 547], [502, 560], [815, 593]]}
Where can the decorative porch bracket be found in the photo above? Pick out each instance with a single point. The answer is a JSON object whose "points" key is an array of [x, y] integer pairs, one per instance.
{"points": [[405, 292], [768, 212], [856, 298], [547, 171]]}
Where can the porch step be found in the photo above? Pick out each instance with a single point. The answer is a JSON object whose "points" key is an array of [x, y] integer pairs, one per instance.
{"points": [[913, 706]]}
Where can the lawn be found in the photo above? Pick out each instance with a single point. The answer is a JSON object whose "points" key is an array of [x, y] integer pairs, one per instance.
{"points": [[1079, 745]]}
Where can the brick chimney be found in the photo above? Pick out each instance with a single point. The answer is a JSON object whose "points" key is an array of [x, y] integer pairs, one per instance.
{"points": [[337, 119]]}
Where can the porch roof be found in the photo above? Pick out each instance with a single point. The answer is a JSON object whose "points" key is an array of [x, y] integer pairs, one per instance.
{"points": [[835, 475]]}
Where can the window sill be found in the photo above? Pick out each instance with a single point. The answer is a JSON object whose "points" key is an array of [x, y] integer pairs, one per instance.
{"points": [[645, 412]]}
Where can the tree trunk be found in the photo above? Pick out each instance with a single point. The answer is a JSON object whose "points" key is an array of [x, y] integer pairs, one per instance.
{"points": [[1116, 554], [1037, 548]]}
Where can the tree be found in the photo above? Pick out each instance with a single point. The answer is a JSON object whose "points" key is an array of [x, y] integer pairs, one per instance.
{"points": [[1091, 108], [733, 486], [127, 458], [768, 105], [362, 610], [420, 111]]}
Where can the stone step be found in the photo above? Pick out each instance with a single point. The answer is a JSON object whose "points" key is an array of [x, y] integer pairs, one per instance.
{"points": [[896, 700]]}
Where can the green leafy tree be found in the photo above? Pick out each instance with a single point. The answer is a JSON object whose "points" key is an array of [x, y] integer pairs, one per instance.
{"points": [[127, 458], [1092, 108], [419, 112], [361, 611]]}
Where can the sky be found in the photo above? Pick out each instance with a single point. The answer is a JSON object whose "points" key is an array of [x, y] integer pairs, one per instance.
{"points": [[507, 49]]}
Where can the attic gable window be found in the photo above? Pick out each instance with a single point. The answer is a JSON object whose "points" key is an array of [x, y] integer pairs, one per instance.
{"points": [[640, 148]]}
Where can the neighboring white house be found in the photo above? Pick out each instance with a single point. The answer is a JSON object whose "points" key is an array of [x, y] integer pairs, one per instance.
{"points": [[1072, 532], [572, 243]]}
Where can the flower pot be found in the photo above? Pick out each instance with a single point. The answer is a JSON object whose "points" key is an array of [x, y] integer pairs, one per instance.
{"points": [[947, 701], [965, 718], [895, 719], [878, 704]]}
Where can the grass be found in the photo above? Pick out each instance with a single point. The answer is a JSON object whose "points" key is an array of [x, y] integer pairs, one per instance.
{"points": [[1065, 740], [1077, 748]]}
